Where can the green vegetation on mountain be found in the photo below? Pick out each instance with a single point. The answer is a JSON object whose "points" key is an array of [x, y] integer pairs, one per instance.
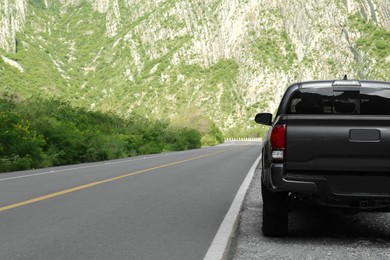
{"points": [[274, 50], [374, 41], [65, 53]]}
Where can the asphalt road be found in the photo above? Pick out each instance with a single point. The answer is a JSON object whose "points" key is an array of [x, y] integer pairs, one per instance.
{"points": [[165, 206]]}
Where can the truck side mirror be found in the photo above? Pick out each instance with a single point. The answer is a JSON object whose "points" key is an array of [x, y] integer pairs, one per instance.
{"points": [[264, 118]]}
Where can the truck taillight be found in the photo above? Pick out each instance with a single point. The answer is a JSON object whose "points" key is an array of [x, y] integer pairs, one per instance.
{"points": [[278, 142]]}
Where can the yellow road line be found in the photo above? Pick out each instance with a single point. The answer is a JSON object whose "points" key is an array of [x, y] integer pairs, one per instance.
{"points": [[56, 194]]}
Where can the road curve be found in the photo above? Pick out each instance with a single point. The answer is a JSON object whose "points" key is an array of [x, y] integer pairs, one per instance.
{"points": [[165, 206]]}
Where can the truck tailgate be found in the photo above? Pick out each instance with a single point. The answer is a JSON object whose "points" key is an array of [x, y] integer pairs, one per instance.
{"points": [[338, 143]]}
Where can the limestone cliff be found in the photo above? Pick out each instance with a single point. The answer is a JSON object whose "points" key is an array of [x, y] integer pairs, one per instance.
{"points": [[226, 58], [12, 19]]}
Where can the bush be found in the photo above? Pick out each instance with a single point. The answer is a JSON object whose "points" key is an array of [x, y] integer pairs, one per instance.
{"points": [[191, 138], [185, 139], [44, 132], [209, 140], [20, 146], [196, 119]]}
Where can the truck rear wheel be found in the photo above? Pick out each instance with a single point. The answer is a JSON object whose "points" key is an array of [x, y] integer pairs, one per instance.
{"points": [[275, 213]]}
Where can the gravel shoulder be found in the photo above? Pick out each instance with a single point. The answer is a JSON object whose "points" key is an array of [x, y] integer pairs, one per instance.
{"points": [[313, 233]]}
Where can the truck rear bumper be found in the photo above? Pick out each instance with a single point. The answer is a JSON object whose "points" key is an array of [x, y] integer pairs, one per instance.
{"points": [[333, 187], [279, 183]]}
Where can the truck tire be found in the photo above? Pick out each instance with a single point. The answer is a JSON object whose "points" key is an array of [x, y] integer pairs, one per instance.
{"points": [[275, 213]]}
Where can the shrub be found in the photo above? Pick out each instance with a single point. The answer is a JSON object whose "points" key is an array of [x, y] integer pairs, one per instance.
{"points": [[196, 119], [44, 132], [184, 139], [20, 146]]}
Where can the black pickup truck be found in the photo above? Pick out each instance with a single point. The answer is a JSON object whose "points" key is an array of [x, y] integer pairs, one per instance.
{"points": [[328, 145]]}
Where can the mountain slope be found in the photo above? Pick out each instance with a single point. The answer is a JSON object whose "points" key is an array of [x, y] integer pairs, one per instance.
{"points": [[227, 59]]}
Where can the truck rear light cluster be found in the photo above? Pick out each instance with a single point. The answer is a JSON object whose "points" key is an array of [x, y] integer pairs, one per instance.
{"points": [[277, 155], [278, 142]]}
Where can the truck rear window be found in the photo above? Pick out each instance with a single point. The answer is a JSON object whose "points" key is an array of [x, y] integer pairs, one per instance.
{"points": [[363, 101]]}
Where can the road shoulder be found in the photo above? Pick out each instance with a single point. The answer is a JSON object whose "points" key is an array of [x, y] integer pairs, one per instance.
{"points": [[220, 246]]}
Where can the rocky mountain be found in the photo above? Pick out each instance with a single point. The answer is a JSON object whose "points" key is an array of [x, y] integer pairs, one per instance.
{"points": [[227, 59]]}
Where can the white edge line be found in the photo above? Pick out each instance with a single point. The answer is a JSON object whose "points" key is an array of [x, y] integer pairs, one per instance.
{"points": [[220, 245], [93, 165]]}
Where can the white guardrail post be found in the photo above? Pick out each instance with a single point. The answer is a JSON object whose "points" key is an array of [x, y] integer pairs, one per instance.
{"points": [[244, 139]]}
